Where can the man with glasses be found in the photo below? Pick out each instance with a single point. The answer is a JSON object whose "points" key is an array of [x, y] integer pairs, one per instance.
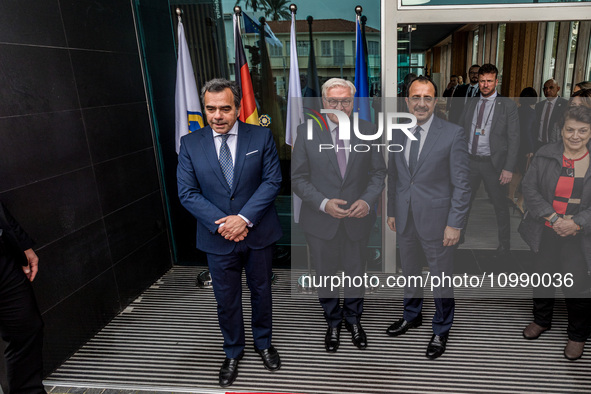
{"points": [[461, 95], [339, 186], [428, 197]]}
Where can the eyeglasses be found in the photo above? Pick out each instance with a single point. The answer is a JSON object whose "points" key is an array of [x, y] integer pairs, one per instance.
{"points": [[346, 103], [427, 100]]}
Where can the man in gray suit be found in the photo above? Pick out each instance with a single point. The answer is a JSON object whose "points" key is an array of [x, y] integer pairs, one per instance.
{"points": [[428, 197], [491, 124], [339, 186], [549, 113]]}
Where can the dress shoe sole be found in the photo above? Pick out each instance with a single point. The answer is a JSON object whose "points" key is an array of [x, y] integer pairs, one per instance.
{"points": [[435, 355], [536, 337], [412, 325], [572, 358]]}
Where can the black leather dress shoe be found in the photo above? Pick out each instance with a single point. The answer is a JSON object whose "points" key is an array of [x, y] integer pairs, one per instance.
{"points": [[332, 339], [358, 335], [401, 326], [229, 370], [436, 346], [270, 357]]}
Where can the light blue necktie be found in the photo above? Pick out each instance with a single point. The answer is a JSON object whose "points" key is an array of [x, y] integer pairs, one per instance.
{"points": [[226, 160]]}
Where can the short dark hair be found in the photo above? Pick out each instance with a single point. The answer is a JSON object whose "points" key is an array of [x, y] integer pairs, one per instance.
{"points": [[452, 76], [528, 96], [580, 114], [584, 85], [488, 68], [474, 65], [217, 85], [584, 94], [422, 79]]}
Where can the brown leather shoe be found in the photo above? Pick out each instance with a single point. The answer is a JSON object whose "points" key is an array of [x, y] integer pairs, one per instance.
{"points": [[533, 331], [574, 350]]}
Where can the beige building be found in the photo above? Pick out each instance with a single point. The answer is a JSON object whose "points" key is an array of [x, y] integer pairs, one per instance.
{"points": [[334, 47]]}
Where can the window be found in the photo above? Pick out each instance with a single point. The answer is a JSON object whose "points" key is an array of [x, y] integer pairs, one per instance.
{"points": [[570, 58], [275, 51], [303, 48], [373, 48], [501, 51], [325, 48], [550, 50], [475, 48], [338, 54]]}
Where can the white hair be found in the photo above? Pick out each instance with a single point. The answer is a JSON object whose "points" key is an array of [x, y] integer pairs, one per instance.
{"points": [[338, 82]]}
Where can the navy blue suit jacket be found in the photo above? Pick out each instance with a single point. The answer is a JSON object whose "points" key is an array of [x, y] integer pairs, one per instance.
{"points": [[204, 192]]}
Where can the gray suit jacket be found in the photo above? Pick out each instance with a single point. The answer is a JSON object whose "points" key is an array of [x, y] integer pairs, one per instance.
{"points": [[315, 175], [439, 190], [504, 135]]}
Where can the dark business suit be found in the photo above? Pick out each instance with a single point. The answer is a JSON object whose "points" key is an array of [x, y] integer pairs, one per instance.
{"points": [[559, 107], [204, 192], [504, 142], [458, 101], [316, 176], [423, 203], [20, 321]]}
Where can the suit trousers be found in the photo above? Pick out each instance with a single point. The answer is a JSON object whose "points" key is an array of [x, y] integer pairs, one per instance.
{"points": [[21, 327], [327, 257], [483, 170], [564, 255], [440, 262], [226, 276]]}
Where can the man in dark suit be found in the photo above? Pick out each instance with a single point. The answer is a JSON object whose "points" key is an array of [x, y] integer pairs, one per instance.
{"points": [[491, 124], [21, 325], [548, 113], [339, 185], [428, 197], [462, 94], [228, 177]]}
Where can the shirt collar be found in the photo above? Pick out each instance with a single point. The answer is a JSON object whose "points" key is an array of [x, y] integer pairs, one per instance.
{"points": [[331, 125], [233, 131], [491, 97], [425, 126]]}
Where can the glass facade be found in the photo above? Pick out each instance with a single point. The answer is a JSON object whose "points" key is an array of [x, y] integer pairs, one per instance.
{"points": [[481, 2]]}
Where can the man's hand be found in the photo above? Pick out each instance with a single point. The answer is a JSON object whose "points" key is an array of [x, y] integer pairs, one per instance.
{"points": [[31, 269], [359, 209], [233, 227], [333, 209], [505, 177], [392, 223], [565, 227], [451, 236], [241, 237]]}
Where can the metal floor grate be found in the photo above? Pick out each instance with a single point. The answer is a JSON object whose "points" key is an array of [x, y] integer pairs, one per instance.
{"points": [[168, 340]]}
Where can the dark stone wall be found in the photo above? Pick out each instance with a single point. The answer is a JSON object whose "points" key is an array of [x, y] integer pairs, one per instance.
{"points": [[78, 164]]}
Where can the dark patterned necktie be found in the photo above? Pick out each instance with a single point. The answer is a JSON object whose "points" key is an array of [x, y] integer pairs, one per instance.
{"points": [[226, 160]]}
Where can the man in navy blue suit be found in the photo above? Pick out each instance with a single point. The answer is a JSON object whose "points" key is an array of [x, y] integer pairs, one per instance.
{"points": [[228, 177]]}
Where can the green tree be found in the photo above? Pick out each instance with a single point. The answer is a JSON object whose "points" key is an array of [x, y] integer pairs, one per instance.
{"points": [[253, 4], [276, 9]]}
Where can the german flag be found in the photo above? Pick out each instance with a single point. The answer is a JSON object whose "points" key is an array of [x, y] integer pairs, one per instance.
{"points": [[248, 107]]}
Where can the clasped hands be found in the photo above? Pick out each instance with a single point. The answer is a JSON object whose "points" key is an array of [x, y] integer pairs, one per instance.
{"points": [[358, 209], [233, 229], [564, 227]]}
